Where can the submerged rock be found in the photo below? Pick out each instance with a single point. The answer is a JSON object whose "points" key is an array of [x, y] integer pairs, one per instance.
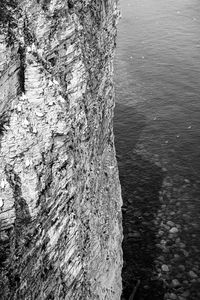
{"points": [[192, 274], [173, 230], [165, 268]]}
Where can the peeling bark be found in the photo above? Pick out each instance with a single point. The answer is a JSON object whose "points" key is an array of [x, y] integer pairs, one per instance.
{"points": [[60, 197]]}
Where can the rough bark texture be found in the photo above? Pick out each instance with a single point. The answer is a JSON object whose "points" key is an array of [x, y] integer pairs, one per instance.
{"points": [[60, 198]]}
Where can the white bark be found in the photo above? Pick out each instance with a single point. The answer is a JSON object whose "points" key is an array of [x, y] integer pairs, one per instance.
{"points": [[60, 199]]}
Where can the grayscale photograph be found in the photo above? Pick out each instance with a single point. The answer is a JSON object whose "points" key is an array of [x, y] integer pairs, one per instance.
{"points": [[99, 150]]}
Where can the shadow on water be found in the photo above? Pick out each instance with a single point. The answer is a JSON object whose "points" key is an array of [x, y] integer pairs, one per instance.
{"points": [[141, 181]]}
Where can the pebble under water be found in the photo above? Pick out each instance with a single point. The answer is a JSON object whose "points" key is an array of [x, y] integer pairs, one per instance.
{"points": [[157, 136]]}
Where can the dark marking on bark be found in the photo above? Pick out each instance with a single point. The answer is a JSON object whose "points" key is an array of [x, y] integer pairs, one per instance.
{"points": [[29, 37], [47, 162], [70, 4], [8, 20], [45, 4], [53, 60], [4, 120], [5, 7], [50, 297], [4, 248], [23, 217], [21, 74]]}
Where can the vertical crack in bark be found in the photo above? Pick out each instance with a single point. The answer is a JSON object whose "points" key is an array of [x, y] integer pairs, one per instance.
{"points": [[23, 217], [21, 74]]}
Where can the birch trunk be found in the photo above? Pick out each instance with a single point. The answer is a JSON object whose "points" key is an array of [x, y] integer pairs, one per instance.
{"points": [[60, 198]]}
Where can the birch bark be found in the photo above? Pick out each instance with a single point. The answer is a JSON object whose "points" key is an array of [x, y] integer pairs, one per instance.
{"points": [[60, 198]]}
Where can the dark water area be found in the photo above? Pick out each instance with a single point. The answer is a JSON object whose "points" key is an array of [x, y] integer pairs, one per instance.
{"points": [[157, 136]]}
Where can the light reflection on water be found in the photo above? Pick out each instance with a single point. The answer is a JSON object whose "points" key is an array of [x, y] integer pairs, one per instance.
{"points": [[157, 116]]}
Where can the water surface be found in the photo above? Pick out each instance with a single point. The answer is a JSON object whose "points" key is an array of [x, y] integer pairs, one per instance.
{"points": [[157, 129]]}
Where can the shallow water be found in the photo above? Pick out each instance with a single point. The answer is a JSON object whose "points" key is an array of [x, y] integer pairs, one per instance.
{"points": [[157, 135]]}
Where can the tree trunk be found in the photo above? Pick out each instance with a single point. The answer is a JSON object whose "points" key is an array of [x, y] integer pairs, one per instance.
{"points": [[60, 198]]}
